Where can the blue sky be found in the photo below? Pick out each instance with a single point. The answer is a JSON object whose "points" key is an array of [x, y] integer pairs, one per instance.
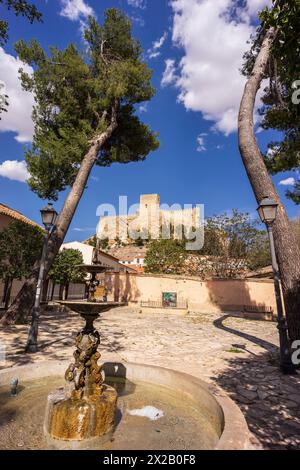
{"points": [[195, 51]]}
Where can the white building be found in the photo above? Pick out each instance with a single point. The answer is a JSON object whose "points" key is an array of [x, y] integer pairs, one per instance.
{"points": [[105, 259]]}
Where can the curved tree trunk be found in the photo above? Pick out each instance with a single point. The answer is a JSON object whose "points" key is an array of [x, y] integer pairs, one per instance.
{"points": [[23, 303], [287, 250]]}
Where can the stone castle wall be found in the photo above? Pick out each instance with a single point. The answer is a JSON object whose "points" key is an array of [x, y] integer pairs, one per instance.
{"points": [[151, 219]]}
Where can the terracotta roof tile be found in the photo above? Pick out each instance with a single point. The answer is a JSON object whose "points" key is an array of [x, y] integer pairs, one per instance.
{"points": [[5, 210]]}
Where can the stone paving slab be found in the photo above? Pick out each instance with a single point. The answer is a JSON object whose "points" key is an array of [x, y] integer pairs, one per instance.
{"points": [[233, 353]]}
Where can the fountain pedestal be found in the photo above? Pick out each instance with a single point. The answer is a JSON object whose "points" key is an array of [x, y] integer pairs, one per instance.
{"points": [[80, 419], [88, 410]]}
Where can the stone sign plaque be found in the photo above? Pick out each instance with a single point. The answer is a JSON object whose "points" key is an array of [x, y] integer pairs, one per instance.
{"points": [[169, 299]]}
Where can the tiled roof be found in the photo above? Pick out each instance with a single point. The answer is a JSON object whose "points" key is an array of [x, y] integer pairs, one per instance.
{"points": [[5, 210]]}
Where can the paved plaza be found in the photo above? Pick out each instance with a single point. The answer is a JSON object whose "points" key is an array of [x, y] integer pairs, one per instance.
{"points": [[236, 354]]}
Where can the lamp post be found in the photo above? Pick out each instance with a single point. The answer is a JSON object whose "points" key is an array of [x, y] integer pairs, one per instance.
{"points": [[268, 211], [49, 216]]}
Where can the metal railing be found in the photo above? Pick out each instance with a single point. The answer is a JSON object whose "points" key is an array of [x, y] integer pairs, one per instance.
{"points": [[180, 304]]}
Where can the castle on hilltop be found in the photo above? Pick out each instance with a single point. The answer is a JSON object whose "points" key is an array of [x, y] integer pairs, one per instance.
{"points": [[151, 221]]}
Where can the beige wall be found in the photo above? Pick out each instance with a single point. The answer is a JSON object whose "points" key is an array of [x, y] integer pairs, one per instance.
{"points": [[202, 296]]}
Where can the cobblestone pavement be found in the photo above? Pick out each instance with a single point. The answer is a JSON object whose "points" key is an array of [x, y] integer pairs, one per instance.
{"points": [[236, 354]]}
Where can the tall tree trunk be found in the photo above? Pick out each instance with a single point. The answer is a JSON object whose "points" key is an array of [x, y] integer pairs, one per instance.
{"points": [[61, 292], [67, 291], [287, 250], [6, 281], [7, 292], [45, 289], [23, 303], [52, 290]]}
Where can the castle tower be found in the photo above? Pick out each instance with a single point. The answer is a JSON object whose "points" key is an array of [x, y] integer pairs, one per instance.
{"points": [[149, 217], [148, 200]]}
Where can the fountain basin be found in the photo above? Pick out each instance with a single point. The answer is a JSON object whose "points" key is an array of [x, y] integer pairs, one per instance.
{"points": [[220, 419], [92, 309]]}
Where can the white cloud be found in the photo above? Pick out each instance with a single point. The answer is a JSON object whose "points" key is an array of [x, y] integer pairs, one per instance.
{"points": [[137, 3], [288, 182], [272, 152], [213, 36], [137, 19], [143, 108], [201, 142], [169, 75], [18, 118], [14, 170], [76, 10], [154, 51], [83, 229]]}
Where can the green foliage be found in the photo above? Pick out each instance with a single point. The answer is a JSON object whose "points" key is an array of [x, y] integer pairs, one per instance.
{"points": [[104, 243], [92, 241], [279, 111], [237, 243], [65, 267], [75, 94], [20, 247], [232, 245], [235, 232], [258, 255], [19, 7], [118, 242], [139, 242], [165, 257]]}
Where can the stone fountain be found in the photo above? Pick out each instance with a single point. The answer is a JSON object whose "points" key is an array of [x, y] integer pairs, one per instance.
{"points": [[87, 410], [82, 415]]}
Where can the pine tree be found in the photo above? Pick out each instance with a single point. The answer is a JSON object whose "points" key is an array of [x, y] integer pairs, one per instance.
{"points": [[84, 116]]}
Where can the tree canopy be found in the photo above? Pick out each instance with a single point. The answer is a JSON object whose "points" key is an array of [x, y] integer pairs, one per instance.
{"points": [[165, 257], [75, 94], [20, 8], [20, 247], [65, 268], [233, 244], [281, 107]]}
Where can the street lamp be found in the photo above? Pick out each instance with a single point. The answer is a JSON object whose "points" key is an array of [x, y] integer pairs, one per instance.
{"points": [[49, 216], [268, 211]]}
